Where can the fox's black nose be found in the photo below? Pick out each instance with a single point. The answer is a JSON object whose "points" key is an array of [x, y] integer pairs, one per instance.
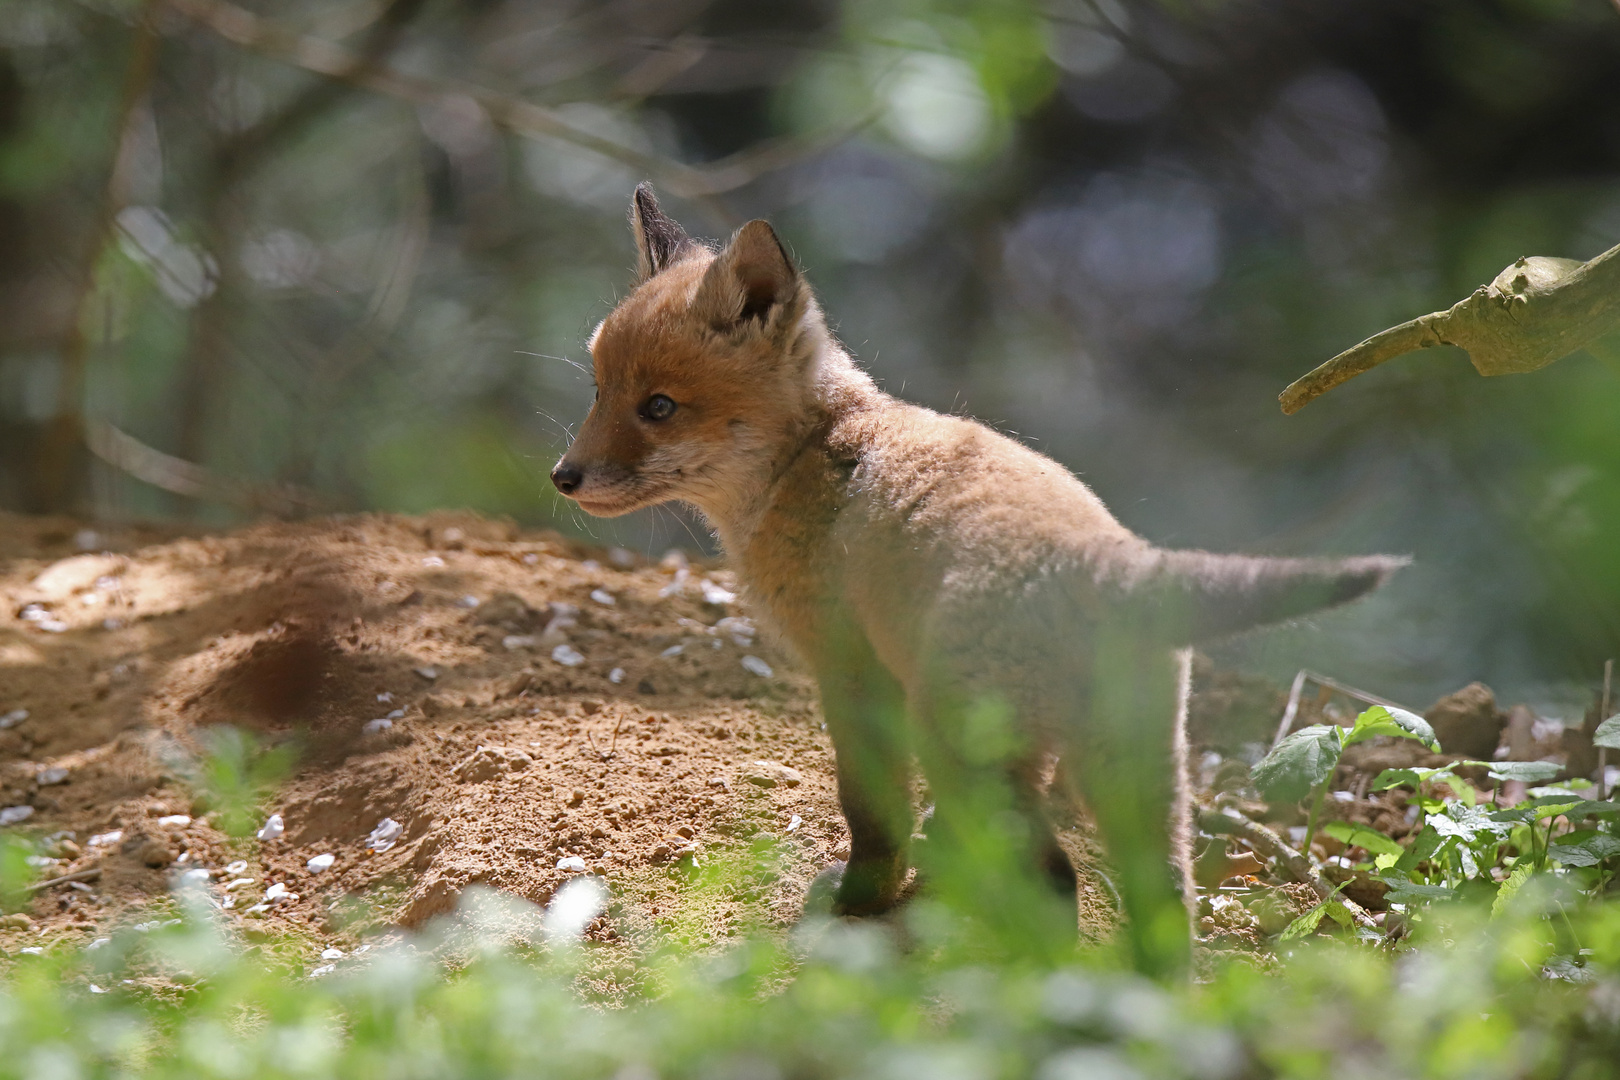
{"points": [[567, 477]]}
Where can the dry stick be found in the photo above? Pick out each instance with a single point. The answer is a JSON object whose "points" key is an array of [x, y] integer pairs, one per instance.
{"points": [[81, 875], [1603, 711], [313, 54], [64, 438], [180, 477], [1335, 685], [1533, 313], [1268, 843]]}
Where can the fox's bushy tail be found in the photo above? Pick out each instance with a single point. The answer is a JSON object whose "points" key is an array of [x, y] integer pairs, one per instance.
{"points": [[1196, 596]]}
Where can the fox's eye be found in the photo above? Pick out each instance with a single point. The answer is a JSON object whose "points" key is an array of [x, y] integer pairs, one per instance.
{"points": [[657, 407]]}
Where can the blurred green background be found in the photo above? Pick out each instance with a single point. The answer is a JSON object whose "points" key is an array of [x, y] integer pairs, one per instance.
{"points": [[340, 254]]}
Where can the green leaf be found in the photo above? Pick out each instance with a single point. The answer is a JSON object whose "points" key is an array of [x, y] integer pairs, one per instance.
{"points": [[1402, 891], [1589, 852], [1427, 843], [1299, 763], [1304, 925], [1608, 733], [1396, 778], [1360, 836], [1529, 772], [1397, 723], [1510, 888]]}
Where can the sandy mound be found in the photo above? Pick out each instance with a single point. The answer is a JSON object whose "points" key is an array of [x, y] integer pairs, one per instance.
{"points": [[523, 707]]}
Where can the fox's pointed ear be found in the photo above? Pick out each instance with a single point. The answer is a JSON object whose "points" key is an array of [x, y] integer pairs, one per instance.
{"points": [[659, 237], [754, 277]]}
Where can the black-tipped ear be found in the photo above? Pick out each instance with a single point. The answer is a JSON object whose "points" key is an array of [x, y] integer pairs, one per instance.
{"points": [[749, 279], [659, 238]]}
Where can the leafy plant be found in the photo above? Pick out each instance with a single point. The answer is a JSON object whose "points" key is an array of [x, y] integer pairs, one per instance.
{"points": [[1303, 763]]}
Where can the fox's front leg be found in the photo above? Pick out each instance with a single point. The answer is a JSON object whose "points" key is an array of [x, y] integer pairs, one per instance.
{"points": [[865, 711]]}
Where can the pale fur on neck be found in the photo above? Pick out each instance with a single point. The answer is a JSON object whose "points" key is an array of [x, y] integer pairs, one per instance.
{"points": [[833, 385]]}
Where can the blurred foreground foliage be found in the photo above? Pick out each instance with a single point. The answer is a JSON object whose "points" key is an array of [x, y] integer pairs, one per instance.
{"points": [[497, 990]]}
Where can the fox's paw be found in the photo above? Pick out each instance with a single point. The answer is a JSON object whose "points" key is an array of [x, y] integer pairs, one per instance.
{"points": [[856, 888]]}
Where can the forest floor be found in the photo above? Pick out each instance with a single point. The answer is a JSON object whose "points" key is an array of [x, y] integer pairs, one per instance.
{"points": [[472, 704], [524, 707]]}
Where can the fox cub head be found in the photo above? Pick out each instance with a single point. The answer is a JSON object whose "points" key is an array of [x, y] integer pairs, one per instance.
{"points": [[703, 373]]}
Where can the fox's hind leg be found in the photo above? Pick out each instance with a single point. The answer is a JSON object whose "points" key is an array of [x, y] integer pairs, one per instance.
{"points": [[991, 848], [1128, 758]]}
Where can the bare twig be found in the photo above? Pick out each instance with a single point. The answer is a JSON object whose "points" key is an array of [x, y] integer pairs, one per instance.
{"points": [[1603, 714], [1336, 686], [1270, 845], [1535, 312], [1287, 722], [242, 27], [66, 879], [180, 477], [63, 440], [615, 743]]}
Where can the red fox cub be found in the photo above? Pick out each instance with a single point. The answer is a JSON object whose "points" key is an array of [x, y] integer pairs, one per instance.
{"points": [[958, 596]]}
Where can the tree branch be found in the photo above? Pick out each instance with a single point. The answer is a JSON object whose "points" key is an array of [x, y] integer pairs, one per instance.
{"points": [[1536, 311], [190, 480], [322, 57]]}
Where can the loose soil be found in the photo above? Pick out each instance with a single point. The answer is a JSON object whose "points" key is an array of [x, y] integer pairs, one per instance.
{"points": [[545, 706]]}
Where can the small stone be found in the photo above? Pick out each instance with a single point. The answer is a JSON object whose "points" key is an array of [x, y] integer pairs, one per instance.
{"points": [[237, 868], [386, 698], [320, 863], [794, 824], [599, 833], [567, 655], [660, 853], [427, 672], [378, 726], [685, 832], [768, 774], [332, 954], [602, 596], [616, 676], [12, 815], [276, 892], [54, 775], [177, 820], [193, 877], [385, 835], [16, 921], [576, 798], [672, 651], [32, 950], [12, 718], [715, 594], [468, 601], [514, 642], [98, 840], [324, 969], [572, 863], [757, 666], [272, 828]]}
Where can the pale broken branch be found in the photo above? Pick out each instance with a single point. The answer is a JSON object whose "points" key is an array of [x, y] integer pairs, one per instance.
{"points": [[250, 31], [1536, 311], [180, 477], [1306, 675]]}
